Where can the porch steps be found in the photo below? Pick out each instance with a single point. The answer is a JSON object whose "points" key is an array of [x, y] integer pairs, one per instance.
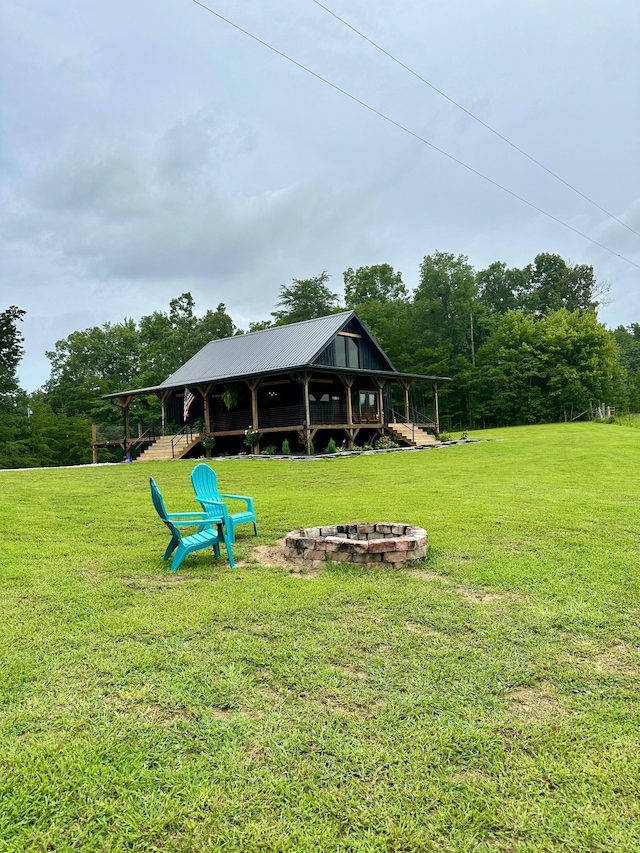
{"points": [[412, 434], [160, 450]]}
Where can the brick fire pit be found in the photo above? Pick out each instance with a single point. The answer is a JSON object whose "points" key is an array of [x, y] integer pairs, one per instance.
{"points": [[378, 544]]}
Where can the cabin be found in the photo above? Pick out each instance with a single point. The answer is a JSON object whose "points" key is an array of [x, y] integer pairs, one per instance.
{"points": [[305, 382]]}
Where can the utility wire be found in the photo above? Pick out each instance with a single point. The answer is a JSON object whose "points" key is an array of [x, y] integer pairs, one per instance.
{"points": [[475, 117], [413, 134]]}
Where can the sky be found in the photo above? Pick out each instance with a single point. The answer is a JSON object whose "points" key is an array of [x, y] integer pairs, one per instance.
{"points": [[149, 148]]}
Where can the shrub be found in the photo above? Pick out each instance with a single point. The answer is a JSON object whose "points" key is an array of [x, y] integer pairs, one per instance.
{"points": [[250, 437], [269, 450], [385, 442], [444, 436], [286, 450], [331, 447]]}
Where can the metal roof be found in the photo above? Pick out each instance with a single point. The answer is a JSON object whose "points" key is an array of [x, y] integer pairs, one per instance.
{"points": [[278, 348]]}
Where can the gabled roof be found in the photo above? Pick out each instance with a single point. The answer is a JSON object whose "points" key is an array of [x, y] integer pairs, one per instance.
{"points": [[276, 348]]}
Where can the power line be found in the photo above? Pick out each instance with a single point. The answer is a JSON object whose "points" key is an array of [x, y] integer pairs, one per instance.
{"points": [[475, 117], [413, 134]]}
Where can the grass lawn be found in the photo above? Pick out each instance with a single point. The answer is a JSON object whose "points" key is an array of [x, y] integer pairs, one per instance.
{"points": [[485, 699]]}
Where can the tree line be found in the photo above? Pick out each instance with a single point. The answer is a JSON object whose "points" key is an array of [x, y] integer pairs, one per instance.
{"points": [[520, 345]]}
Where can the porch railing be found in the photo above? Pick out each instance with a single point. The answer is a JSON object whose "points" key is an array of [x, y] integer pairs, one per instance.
{"points": [[328, 413], [231, 421], [281, 416]]}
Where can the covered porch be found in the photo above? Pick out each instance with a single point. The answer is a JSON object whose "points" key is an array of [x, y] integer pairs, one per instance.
{"points": [[306, 404]]}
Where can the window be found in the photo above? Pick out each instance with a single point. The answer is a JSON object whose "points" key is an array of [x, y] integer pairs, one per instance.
{"points": [[367, 400], [347, 354]]}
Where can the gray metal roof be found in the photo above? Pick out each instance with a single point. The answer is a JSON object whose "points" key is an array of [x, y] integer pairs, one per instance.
{"points": [[276, 348]]}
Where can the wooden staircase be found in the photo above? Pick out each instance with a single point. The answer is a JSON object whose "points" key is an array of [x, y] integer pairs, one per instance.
{"points": [[411, 434], [161, 449]]}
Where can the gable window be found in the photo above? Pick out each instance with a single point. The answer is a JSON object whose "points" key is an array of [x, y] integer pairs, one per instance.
{"points": [[347, 353]]}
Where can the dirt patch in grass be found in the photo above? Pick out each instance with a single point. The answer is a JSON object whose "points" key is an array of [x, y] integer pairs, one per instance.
{"points": [[270, 693], [151, 583], [270, 555], [127, 707], [481, 596], [334, 706], [616, 659], [537, 703], [354, 672], [420, 574], [225, 714], [423, 630], [469, 775]]}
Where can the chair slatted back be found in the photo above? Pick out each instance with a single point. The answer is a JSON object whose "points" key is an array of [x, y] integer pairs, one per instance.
{"points": [[158, 502], [205, 482]]}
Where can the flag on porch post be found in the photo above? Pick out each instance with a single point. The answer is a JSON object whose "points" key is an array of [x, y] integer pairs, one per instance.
{"points": [[189, 397]]}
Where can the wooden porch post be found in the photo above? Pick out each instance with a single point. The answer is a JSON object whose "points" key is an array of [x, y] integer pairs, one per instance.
{"points": [[348, 381], [94, 441], [405, 388], [307, 412], [126, 402], [380, 385], [254, 384], [207, 418], [436, 407], [164, 396]]}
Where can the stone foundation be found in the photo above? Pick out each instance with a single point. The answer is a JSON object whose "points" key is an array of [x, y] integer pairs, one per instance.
{"points": [[370, 544]]}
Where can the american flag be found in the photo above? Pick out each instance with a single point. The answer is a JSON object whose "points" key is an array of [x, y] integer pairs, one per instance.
{"points": [[189, 397]]}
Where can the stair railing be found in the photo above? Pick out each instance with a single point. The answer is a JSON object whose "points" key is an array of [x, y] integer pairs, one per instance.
{"points": [[418, 417], [185, 434], [397, 419], [143, 437]]}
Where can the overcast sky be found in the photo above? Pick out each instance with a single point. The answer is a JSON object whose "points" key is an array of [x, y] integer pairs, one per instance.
{"points": [[148, 149]]}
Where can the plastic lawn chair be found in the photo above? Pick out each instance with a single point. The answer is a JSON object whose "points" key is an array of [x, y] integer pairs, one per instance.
{"points": [[205, 485], [212, 526]]}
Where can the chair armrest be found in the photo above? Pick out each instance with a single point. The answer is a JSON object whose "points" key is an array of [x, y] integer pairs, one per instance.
{"points": [[214, 508], [245, 498], [206, 520]]}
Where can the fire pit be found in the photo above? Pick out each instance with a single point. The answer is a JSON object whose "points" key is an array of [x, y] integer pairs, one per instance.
{"points": [[378, 544]]}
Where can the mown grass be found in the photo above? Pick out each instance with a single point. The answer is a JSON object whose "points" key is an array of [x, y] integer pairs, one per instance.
{"points": [[486, 699]]}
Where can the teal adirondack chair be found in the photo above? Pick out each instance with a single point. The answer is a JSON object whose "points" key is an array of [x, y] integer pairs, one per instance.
{"points": [[205, 485], [212, 527]]}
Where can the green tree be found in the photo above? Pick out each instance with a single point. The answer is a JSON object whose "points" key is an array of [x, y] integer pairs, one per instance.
{"points": [[548, 369], [168, 340], [445, 299], [378, 283], [11, 352], [305, 299], [628, 343], [500, 288], [90, 363], [259, 325], [552, 284]]}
